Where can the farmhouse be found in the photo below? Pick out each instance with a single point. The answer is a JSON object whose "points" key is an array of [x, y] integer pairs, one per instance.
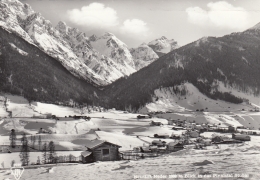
{"points": [[217, 139], [154, 123], [98, 150], [174, 146], [158, 143]]}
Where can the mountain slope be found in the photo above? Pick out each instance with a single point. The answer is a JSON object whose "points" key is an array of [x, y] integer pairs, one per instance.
{"points": [[68, 45], [25, 70], [232, 60]]}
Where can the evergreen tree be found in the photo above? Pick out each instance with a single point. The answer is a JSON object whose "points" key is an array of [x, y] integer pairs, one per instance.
{"points": [[51, 155], [12, 138], [24, 154], [44, 154]]}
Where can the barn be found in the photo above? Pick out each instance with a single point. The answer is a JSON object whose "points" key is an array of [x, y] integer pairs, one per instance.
{"points": [[241, 137], [153, 123], [98, 150]]}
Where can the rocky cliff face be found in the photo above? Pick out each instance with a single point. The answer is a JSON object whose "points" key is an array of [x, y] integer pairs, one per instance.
{"points": [[143, 56], [110, 46], [163, 45]]}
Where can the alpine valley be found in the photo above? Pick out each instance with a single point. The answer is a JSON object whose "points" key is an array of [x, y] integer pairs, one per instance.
{"points": [[61, 64]]}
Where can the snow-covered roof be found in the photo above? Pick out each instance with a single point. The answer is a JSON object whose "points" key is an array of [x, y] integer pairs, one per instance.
{"points": [[96, 143], [85, 153]]}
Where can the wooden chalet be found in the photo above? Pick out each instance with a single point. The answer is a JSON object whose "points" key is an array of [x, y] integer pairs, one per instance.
{"points": [[231, 129], [98, 150], [145, 149]]}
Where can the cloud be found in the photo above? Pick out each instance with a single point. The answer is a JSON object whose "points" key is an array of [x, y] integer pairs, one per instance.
{"points": [[220, 14], [134, 27], [94, 15]]}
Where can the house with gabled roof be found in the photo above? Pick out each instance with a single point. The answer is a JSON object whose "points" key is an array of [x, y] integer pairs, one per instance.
{"points": [[98, 150]]}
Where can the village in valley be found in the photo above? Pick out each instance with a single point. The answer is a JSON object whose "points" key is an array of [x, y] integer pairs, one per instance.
{"points": [[47, 136]]}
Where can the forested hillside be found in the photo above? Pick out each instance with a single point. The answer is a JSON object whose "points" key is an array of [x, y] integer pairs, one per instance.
{"points": [[233, 59], [25, 70]]}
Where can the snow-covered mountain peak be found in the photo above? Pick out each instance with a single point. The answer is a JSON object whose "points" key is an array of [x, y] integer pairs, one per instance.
{"points": [[256, 27], [15, 6], [109, 45], [143, 55], [107, 35], [144, 45], [62, 27], [163, 38], [163, 45], [68, 45]]}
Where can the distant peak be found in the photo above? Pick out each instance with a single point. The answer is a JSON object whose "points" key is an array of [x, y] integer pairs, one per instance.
{"points": [[108, 34], [62, 27], [143, 44], [93, 37], [62, 23], [163, 38]]}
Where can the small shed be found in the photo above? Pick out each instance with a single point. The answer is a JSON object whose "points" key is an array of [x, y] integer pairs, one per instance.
{"points": [[143, 116], [164, 136], [98, 150], [231, 129], [145, 149], [241, 137], [174, 146]]}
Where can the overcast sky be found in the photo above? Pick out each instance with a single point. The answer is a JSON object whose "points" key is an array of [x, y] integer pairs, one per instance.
{"points": [[138, 21]]}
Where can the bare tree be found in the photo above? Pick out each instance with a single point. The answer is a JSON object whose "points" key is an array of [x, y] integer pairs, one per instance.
{"points": [[12, 138]]}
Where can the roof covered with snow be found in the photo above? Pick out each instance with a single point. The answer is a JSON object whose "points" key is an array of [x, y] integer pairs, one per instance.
{"points": [[96, 143]]}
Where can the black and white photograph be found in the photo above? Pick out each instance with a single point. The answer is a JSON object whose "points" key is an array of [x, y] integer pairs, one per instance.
{"points": [[129, 89]]}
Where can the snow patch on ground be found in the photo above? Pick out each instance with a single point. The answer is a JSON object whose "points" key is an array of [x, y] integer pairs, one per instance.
{"points": [[18, 49], [166, 100], [19, 106]]}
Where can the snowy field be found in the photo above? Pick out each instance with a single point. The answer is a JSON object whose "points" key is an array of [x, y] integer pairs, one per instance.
{"points": [[232, 159], [122, 128]]}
